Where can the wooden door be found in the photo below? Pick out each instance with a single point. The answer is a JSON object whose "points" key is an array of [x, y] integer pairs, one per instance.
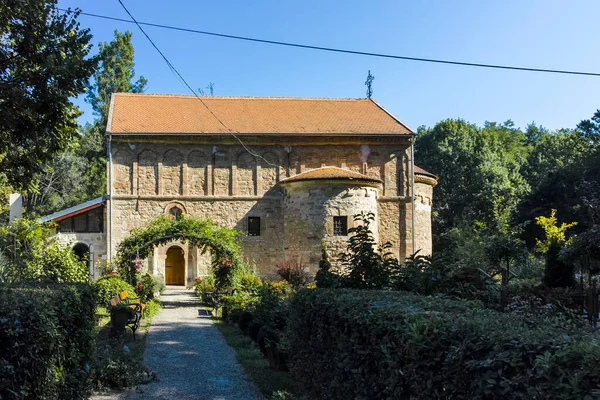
{"points": [[175, 266]]}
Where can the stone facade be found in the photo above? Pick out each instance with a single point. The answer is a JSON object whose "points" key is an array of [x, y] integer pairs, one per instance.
{"points": [[308, 210], [212, 176], [96, 247]]}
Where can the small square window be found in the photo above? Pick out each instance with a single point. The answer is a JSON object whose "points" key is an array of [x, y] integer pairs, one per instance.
{"points": [[253, 226], [340, 226]]}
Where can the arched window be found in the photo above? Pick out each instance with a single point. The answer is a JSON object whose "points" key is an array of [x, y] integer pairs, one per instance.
{"points": [[175, 212]]}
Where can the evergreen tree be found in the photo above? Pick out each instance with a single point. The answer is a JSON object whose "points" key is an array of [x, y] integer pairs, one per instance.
{"points": [[324, 277]]}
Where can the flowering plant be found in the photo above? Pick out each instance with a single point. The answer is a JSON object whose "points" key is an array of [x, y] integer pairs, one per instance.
{"points": [[138, 264]]}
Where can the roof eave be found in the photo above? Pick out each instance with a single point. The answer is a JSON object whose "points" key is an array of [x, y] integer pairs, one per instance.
{"points": [[386, 134], [412, 131], [75, 210], [110, 114]]}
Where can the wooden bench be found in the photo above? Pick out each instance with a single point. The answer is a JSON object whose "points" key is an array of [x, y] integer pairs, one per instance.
{"points": [[137, 305]]}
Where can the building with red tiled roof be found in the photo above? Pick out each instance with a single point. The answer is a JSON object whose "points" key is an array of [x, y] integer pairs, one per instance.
{"points": [[287, 172]]}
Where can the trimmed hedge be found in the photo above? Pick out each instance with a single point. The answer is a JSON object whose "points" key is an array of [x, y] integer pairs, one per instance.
{"points": [[392, 345], [46, 341]]}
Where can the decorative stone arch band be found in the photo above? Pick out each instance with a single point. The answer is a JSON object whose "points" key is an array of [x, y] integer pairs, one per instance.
{"points": [[422, 176]]}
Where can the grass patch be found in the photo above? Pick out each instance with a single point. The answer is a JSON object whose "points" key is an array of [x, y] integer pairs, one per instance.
{"points": [[255, 365]]}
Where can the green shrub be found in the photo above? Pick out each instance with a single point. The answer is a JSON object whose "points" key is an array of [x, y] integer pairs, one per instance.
{"points": [[59, 264], [366, 266], [159, 283], [205, 288], [146, 287], [119, 368], [324, 277], [271, 304], [152, 308], [238, 302], [47, 345], [109, 286], [420, 275], [373, 344], [246, 280], [243, 297], [30, 253]]}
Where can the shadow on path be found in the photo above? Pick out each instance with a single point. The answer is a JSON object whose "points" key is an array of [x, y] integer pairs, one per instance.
{"points": [[190, 356]]}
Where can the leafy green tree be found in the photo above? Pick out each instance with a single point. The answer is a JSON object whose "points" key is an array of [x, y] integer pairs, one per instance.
{"points": [[503, 249], [114, 74], [30, 253], [79, 173], [558, 273], [365, 266], [449, 150], [44, 63], [563, 170], [590, 128], [480, 181], [74, 176], [554, 233], [550, 152]]}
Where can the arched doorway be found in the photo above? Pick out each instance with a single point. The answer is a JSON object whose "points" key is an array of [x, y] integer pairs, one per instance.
{"points": [[82, 251], [175, 266]]}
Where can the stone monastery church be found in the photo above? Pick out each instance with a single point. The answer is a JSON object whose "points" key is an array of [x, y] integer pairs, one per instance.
{"points": [[286, 172]]}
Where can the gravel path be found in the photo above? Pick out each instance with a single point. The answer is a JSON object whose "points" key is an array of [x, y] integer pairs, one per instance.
{"points": [[190, 356]]}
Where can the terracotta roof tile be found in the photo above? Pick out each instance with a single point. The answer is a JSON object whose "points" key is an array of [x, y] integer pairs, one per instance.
{"points": [[328, 173], [146, 113], [421, 171]]}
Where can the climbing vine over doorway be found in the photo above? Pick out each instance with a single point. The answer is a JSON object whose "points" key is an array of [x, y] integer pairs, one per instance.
{"points": [[202, 233]]}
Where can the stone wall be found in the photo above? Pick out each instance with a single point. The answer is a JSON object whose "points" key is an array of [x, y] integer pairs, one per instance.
{"points": [[308, 211], [166, 169], [228, 184], [265, 249], [423, 203], [95, 241]]}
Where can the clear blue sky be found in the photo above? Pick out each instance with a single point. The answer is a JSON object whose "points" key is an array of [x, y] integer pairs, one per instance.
{"points": [[544, 34]]}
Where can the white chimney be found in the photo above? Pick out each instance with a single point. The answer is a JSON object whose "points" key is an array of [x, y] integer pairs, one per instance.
{"points": [[15, 201]]}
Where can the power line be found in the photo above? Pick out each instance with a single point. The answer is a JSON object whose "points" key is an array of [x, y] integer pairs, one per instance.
{"points": [[335, 50], [174, 70]]}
